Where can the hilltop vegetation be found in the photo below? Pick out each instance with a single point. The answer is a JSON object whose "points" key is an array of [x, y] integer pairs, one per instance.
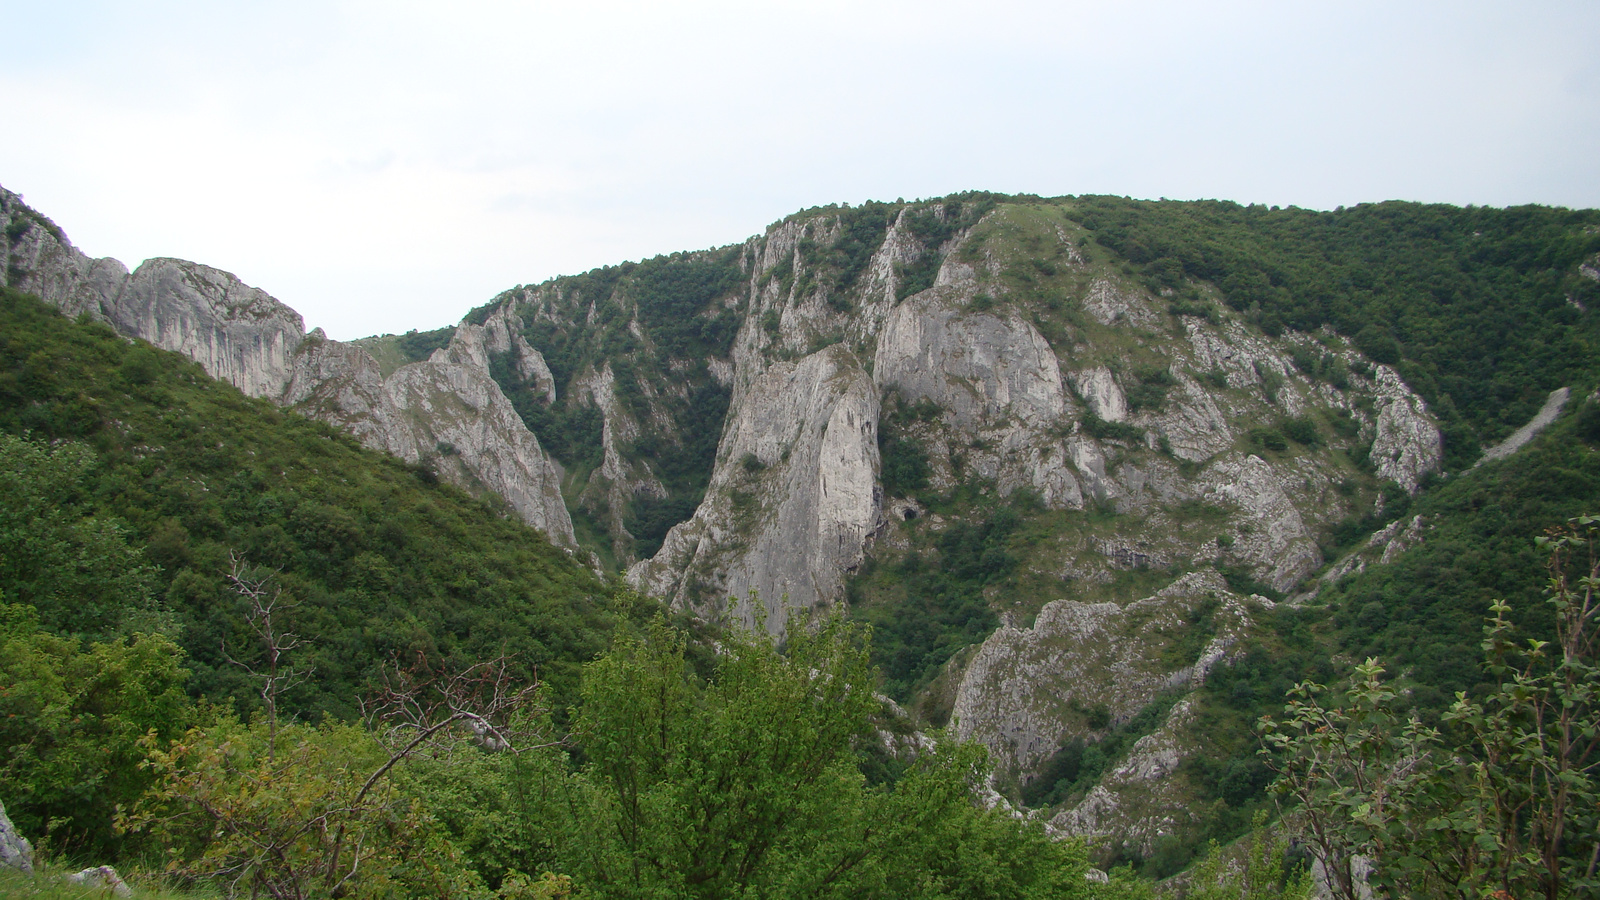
{"points": [[1480, 308]]}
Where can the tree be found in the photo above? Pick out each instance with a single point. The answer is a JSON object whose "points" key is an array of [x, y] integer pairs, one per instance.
{"points": [[1261, 873], [72, 714], [1535, 739], [712, 790], [292, 811], [747, 786], [1505, 802], [76, 570]]}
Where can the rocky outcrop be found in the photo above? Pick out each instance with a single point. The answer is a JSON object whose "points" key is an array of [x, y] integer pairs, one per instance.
{"points": [[1111, 304], [980, 368], [1139, 801], [791, 502], [446, 411], [1384, 547], [1406, 444], [1099, 390], [1027, 690], [237, 333], [1277, 542], [15, 851], [101, 878]]}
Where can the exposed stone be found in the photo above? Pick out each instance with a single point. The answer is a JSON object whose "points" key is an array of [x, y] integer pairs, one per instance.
{"points": [[1383, 547], [1099, 389], [15, 851], [1407, 444], [787, 526], [237, 333], [1540, 421], [978, 367], [1138, 801], [1278, 543], [102, 878], [1111, 305], [446, 409], [1192, 422], [1017, 694]]}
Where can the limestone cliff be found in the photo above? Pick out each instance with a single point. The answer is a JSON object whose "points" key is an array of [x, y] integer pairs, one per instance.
{"points": [[791, 502], [446, 411], [706, 444], [718, 417]]}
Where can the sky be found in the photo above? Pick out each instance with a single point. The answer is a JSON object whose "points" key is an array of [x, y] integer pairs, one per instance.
{"points": [[387, 165]]}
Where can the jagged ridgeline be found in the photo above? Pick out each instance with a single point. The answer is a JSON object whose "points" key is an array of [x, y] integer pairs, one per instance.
{"points": [[384, 562], [1122, 428], [648, 350]]}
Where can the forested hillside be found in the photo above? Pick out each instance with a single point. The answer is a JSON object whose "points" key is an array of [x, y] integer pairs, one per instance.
{"points": [[178, 472], [1086, 485]]}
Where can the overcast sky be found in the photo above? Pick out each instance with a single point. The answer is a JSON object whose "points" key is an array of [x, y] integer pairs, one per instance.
{"points": [[382, 166]]}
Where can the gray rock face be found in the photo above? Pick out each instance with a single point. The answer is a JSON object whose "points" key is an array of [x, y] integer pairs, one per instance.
{"points": [[1099, 389], [1138, 801], [103, 878], [237, 333], [1112, 305], [1407, 444], [1017, 693], [15, 851], [791, 502], [1382, 548], [447, 408], [1278, 542], [994, 377], [979, 367]]}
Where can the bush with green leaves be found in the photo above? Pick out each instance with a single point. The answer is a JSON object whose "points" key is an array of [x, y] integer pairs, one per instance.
{"points": [[747, 785], [290, 813], [72, 714], [1504, 801]]}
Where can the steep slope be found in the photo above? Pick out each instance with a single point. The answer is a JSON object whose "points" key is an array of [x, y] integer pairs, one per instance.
{"points": [[241, 335], [380, 563], [802, 333]]}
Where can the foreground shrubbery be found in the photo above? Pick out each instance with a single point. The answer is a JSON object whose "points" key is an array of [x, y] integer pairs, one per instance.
{"points": [[1502, 800], [743, 784]]}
